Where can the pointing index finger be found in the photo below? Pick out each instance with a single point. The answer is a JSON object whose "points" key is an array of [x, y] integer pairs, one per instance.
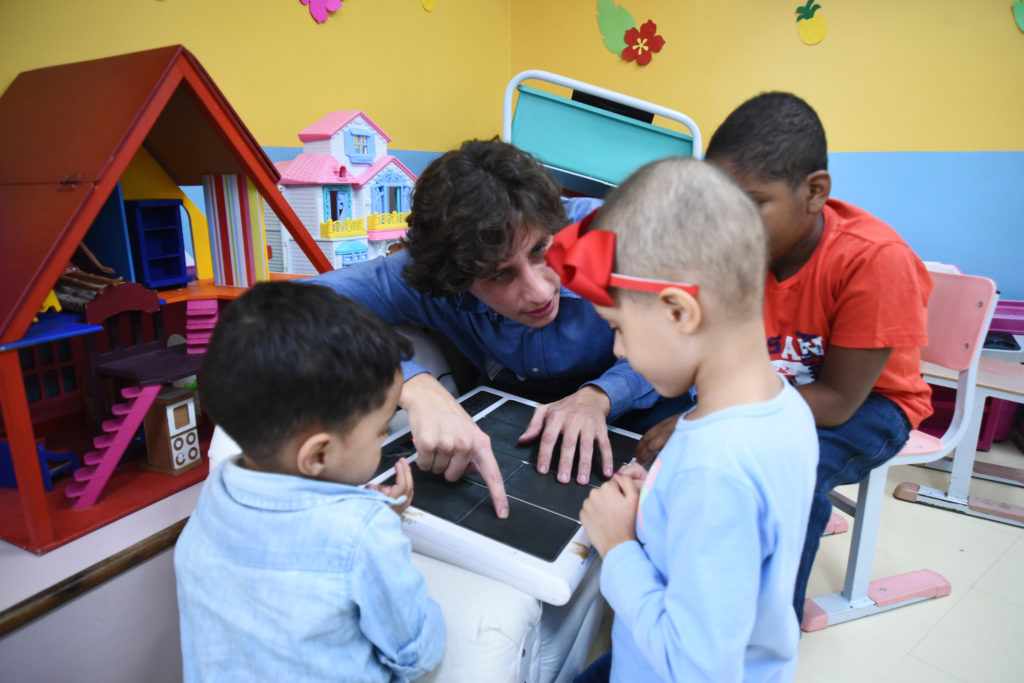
{"points": [[488, 469]]}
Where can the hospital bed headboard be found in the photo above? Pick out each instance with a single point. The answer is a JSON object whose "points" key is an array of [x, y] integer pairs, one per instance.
{"points": [[588, 148]]}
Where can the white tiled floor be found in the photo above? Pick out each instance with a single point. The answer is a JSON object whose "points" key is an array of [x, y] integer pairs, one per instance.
{"points": [[974, 634]]}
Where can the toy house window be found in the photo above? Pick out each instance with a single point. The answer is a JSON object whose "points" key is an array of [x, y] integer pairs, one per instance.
{"points": [[388, 198], [337, 201], [359, 145], [48, 370]]}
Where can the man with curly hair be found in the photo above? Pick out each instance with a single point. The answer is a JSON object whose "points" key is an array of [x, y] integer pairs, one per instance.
{"points": [[474, 271]]}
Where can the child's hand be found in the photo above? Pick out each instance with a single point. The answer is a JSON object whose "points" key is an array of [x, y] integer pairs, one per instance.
{"points": [[401, 487], [656, 437], [609, 513], [634, 471]]}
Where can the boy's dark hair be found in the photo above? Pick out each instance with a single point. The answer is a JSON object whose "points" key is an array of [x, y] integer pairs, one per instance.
{"points": [[469, 209], [288, 357], [773, 136]]}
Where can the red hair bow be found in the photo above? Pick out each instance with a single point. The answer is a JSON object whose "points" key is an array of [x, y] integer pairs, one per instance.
{"points": [[583, 259]]}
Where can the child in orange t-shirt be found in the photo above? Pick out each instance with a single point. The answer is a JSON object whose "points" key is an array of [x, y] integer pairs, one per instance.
{"points": [[845, 299]]}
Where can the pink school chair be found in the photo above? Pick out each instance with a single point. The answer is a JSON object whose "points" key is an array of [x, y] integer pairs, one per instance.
{"points": [[959, 312]]}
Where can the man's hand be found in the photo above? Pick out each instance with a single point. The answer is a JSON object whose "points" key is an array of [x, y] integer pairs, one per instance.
{"points": [[578, 418], [609, 513], [446, 438], [655, 438]]}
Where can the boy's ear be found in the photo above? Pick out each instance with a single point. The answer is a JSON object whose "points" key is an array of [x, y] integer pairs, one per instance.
{"points": [[312, 456], [682, 307], [819, 187]]}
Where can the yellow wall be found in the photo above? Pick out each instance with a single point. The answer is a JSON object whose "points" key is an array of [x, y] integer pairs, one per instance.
{"points": [[429, 79], [890, 75], [906, 75]]}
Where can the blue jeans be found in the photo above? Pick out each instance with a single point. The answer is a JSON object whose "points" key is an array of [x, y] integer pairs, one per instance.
{"points": [[875, 433], [599, 671]]}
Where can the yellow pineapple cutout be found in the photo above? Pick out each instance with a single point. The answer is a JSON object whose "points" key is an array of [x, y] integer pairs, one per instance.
{"points": [[810, 24]]}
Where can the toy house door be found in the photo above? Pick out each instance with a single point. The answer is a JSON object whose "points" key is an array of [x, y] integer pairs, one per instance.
{"points": [[337, 202]]}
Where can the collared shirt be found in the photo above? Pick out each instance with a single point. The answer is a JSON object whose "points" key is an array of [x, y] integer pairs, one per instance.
{"points": [[574, 350], [282, 578]]}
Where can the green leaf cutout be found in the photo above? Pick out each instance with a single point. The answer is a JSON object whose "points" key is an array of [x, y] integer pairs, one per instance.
{"points": [[807, 10], [613, 22]]}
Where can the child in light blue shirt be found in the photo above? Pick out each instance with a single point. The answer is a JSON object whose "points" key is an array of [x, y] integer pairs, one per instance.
{"points": [[289, 569], [700, 554]]}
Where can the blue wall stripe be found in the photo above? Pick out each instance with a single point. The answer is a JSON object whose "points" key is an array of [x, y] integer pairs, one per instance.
{"points": [[964, 208]]}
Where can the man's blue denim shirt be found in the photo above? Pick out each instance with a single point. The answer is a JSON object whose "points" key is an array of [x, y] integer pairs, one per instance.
{"points": [[576, 346], [282, 578]]}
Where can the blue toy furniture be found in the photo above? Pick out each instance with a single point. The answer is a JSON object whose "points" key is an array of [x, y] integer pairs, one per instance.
{"points": [[158, 246], [50, 464]]}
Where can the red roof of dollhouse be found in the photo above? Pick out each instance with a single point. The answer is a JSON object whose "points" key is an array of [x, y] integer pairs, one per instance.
{"points": [[321, 169], [67, 134], [326, 127]]}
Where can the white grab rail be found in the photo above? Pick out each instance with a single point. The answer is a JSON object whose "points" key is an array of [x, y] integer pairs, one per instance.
{"points": [[656, 109]]}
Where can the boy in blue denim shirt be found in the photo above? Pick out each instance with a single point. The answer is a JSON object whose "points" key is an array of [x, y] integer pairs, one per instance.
{"points": [[289, 569]]}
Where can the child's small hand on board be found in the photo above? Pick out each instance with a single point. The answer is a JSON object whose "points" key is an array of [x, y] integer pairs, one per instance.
{"points": [[401, 487], [634, 471], [609, 513]]}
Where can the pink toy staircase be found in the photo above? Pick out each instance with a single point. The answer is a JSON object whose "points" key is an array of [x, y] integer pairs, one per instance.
{"points": [[200, 319], [100, 463]]}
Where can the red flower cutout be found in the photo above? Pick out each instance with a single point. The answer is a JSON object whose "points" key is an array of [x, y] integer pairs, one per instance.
{"points": [[642, 43]]}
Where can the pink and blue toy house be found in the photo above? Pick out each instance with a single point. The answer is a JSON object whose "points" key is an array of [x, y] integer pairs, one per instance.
{"points": [[349, 193]]}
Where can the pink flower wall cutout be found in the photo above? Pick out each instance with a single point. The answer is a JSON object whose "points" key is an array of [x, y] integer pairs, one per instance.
{"points": [[319, 8], [642, 43]]}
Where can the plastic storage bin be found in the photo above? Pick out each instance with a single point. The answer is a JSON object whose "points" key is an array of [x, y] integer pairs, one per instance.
{"points": [[996, 423], [1009, 317]]}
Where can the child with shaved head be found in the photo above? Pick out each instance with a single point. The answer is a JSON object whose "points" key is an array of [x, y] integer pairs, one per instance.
{"points": [[701, 551]]}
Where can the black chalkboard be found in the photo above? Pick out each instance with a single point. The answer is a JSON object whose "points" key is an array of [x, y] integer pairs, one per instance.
{"points": [[543, 513]]}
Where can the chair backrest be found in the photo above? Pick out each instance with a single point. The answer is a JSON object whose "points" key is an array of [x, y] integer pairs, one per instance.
{"points": [[959, 312], [120, 308]]}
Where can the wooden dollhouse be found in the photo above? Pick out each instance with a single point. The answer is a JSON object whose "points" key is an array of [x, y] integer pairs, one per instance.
{"points": [[67, 135], [351, 195]]}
